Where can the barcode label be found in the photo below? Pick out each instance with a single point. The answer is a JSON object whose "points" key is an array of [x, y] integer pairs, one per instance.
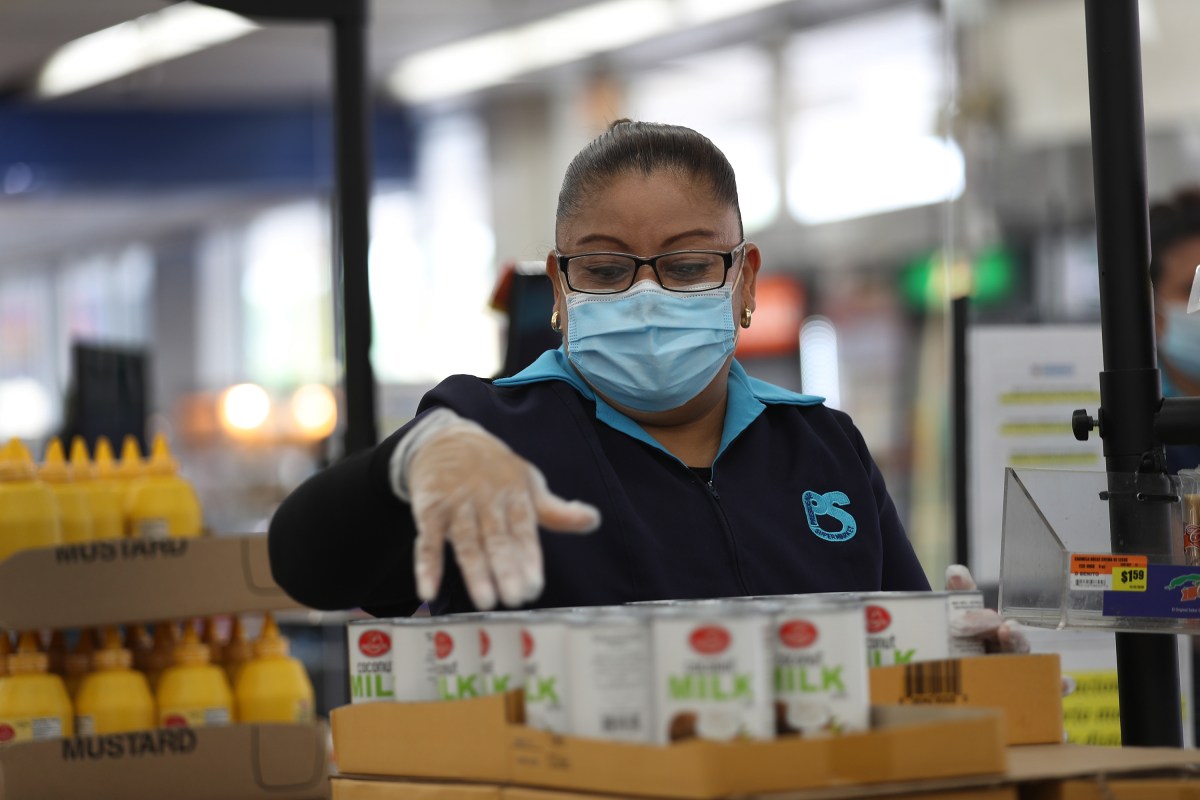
{"points": [[1090, 583], [933, 682], [621, 723]]}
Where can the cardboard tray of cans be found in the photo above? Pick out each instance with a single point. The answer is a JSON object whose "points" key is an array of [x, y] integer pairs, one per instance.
{"points": [[354, 789], [482, 740], [1028, 688], [1035, 772], [71, 586], [249, 762]]}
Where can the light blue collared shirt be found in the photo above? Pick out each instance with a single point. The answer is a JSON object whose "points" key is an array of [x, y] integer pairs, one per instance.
{"points": [[748, 397]]}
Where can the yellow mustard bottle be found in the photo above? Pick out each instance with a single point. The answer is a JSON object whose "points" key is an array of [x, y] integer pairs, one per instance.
{"points": [[273, 686], [162, 652], [28, 510], [34, 705], [237, 651], [74, 509], [103, 500], [193, 693], [128, 472], [78, 662], [113, 698], [162, 504], [109, 474]]}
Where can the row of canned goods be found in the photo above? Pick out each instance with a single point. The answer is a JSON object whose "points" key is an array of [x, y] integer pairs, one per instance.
{"points": [[666, 671]]}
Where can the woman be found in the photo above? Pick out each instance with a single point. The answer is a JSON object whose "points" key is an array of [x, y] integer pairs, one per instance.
{"points": [[1175, 252], [653, 465]]}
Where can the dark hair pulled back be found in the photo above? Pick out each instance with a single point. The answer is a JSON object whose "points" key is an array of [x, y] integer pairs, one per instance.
{"points": [[1172, 221], [646, 147]]}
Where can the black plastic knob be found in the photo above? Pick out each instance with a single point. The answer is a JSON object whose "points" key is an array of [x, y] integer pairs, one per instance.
{"points": [[1082, 424]]}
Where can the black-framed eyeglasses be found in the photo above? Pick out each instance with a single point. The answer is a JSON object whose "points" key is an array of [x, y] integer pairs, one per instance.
{"points": [[678, 271]]}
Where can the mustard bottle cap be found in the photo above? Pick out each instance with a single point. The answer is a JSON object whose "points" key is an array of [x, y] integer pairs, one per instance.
{"points": [[112, 655], [80, 465], [55, 468], [161, 462], [131, 459], [270, 644], [105, 463], [16, 464], [28, 659], [191, 651]]}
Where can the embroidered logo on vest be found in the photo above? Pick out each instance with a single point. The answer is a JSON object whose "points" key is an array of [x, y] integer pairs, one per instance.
{"points": [[821, 505]]}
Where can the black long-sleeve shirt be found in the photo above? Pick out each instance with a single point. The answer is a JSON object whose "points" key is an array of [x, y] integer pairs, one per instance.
{"points": [[794, 504]]}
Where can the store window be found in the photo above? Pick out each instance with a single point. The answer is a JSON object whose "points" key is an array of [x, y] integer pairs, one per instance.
{"points": [[432, 262], [29, 395], [107, 298], [103, 298], [863, 134], [287, 289], [681, 91]]}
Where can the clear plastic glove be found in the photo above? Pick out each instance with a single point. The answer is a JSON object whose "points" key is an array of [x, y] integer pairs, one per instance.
{"points": [[466, 487], [999, 635]]}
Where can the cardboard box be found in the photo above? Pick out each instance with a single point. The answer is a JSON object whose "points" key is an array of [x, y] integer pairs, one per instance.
{"points": [[1028, 688], [357, 789], [1119, 789], [1034, 772], [1062, 761], [73, 585], [462, 740], [992, 793], [248, 762], [476, 740], [905, 743]]}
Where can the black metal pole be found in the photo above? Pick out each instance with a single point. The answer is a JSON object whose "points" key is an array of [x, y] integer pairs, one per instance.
{"points": [[959, 308], [1148, 674], [351, 196], [351, 223]]}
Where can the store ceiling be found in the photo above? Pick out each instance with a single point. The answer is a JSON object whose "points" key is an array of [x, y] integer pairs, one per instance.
{"points": [[281, 61]]}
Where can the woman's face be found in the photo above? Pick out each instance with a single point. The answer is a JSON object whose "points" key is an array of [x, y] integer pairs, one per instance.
{"points": [[1174, 284], [651, 214]]}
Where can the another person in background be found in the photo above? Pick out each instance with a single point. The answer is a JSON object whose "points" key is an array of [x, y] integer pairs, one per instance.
{"points": [[1175, 254]]}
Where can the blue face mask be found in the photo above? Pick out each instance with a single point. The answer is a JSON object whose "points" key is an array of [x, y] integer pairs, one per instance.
{"points": [[649, 349], [1181, 344]]}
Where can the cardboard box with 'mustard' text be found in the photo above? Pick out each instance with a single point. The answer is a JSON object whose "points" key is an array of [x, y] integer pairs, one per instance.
{"points": [[248, 762]]}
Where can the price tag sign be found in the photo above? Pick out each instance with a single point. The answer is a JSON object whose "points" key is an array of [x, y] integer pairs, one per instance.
{"points": [[1129, 579], [1091, 572]]}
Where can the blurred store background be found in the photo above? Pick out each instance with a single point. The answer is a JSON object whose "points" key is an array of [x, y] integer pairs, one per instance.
{"points": [[165, 180]]}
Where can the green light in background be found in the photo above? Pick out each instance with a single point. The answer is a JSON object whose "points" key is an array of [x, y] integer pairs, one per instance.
{"points": [[988, 279]]}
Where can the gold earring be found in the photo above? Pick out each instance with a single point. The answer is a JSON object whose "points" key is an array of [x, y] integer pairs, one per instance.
{"points": [[554, 326], [746, 314]]}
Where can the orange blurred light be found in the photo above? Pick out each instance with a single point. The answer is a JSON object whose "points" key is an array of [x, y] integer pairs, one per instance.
{"points": [[244, 408], [314, 410]]}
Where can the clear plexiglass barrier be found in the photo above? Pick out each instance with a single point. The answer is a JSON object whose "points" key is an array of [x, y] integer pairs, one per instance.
{"points": [[1058, 568]]}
